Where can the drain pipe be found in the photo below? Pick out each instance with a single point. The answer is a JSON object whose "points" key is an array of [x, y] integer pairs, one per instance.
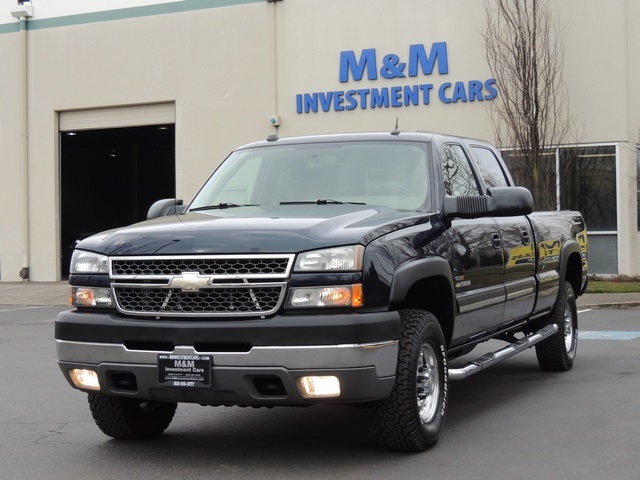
{"points": [[23, 11]]}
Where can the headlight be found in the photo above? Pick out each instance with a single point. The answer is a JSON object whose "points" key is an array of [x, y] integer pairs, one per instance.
{"points": [[346, 259], [88, 262]]}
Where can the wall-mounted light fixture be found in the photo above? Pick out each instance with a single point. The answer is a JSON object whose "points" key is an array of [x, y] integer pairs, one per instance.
{"points": [[23, 9]]}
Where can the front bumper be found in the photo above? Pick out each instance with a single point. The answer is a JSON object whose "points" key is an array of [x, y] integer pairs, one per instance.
{"points": [[254, 362]]}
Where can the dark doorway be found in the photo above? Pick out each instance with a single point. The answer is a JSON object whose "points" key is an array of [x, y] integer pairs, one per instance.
{"points": [[110, 178]]}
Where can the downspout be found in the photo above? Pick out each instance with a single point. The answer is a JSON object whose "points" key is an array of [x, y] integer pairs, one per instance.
{"points": [[275, 118], [24, 93]]}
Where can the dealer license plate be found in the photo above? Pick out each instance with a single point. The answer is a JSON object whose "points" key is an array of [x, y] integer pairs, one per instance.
{"points": [[185, 371]]}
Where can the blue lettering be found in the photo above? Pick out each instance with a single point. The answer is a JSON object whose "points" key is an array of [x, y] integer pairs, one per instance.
{"points": [[363, 97], [426, 88], [338, 98], [441, 92], [411, 95], [475, 90], [325, 100], [310, 102], [392, 67], [418, 56], [379, 97], [459, 93], [396, 96], [351, 102], [349, 63], [490, 86], [298, 103]]}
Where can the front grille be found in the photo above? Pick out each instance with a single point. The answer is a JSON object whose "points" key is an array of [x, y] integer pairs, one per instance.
{"points": [[258, 300], [241, 285], [219, 266]]}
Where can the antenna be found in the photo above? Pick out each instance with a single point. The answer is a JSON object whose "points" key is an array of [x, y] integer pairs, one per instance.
{"points": [[395, 131]]}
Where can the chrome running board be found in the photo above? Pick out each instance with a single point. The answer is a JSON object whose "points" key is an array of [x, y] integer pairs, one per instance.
{"points": [[492, 358]]}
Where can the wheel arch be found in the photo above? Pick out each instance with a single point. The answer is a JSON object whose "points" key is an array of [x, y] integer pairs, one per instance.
{"points": [[426, 284], [571, 265]]}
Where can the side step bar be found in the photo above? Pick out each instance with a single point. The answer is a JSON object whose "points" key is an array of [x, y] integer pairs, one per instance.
{"points": [[492, 358]]}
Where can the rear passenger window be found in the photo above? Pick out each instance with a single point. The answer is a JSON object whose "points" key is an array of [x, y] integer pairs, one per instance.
{"points": [[490, 168], [457, 173]]}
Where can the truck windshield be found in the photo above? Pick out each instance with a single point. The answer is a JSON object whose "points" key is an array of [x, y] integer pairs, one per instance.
{"points": [[392, 174]]}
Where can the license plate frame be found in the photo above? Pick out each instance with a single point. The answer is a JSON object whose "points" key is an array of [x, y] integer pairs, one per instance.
{"points": [[184, 371]]}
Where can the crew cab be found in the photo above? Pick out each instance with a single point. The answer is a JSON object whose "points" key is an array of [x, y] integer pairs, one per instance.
{"points": [[344, 269]]}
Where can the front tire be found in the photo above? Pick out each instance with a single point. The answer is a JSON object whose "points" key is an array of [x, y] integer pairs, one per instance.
{"points": [[558, 352], [411, 419], [129, 418]]}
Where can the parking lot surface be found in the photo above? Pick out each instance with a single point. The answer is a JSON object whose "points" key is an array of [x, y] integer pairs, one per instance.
{"points": [[511, 421]]}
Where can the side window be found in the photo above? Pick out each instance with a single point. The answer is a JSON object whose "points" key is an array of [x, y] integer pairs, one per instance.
{"points": [[457, 173], [490, 168]]}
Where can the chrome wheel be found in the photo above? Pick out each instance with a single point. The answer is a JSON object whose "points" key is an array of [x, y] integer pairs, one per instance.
{"points": [[427, 383], [557, 353], [412, 417], [568, 329]]}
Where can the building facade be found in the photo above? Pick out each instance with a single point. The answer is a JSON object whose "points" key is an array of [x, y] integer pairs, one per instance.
{"points": [[110, 104]]}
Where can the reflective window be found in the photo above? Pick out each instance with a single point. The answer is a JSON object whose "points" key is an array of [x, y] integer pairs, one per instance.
{"points": [[538, 176], [588, 184], [457, 173], [393, 174], [603, 253], [489, 167]]}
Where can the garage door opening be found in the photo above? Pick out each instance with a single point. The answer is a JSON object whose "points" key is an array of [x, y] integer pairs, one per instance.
{"points": [[110, 178]]}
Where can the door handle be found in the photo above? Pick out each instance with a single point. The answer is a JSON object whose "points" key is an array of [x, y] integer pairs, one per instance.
{"points": [[526, 239], [495, 239]]}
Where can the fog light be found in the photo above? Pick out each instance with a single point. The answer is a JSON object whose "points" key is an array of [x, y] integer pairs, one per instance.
{"points": [[320, 386], [87, 379]]}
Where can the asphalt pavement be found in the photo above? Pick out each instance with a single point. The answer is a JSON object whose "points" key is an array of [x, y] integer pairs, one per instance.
{"points": [[56, 294]]}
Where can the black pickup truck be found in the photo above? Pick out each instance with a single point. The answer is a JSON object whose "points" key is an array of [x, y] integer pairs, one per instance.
{"points": [[345, 269]]}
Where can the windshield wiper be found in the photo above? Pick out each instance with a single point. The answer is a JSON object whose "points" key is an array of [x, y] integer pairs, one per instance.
{"points": [[322, 201], [221, 206]]}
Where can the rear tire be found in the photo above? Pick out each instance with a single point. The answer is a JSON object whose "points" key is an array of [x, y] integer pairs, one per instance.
{"points": [[411, 419], [129, 418], [558, 352]]}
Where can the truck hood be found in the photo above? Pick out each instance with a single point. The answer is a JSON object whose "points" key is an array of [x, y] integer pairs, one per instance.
{"points": [[278, 229]]}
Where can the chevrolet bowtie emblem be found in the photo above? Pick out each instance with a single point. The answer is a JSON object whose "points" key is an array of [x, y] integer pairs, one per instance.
{"points": [[191, 281]]}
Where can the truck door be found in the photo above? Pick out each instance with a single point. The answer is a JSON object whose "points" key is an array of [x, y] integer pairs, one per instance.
{"points": [[476, 255], [519, 268], [517, 241]]}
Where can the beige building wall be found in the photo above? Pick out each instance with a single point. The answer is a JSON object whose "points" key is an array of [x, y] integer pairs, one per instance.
{"points": [[13, 157], [229, 68]]}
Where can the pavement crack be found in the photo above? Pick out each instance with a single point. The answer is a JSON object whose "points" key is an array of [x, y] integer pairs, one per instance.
{"points": [[52, 433]]}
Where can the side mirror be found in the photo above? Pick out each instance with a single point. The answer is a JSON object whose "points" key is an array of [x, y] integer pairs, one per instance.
{"points": [[500, 202], [164, 207]]}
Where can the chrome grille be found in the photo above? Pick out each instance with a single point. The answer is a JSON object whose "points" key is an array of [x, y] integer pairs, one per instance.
{"points": [[220, 266], [257, 300], [214, 285]]}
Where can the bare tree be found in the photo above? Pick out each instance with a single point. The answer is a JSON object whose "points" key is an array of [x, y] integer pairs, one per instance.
{"points": [[524, 48]]}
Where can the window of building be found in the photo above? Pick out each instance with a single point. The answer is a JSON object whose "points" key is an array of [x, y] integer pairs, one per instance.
{"points": [[539, 176], [581, 178], [588, 184]]}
